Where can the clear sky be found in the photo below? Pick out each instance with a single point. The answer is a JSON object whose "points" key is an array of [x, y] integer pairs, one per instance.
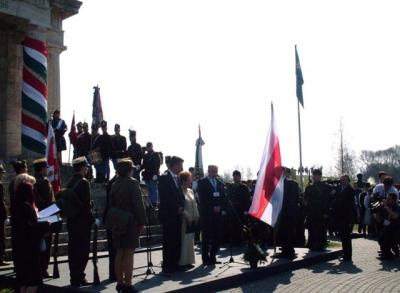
{"points": [[165, 66]]}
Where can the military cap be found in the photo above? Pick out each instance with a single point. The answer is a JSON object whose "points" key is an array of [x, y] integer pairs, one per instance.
{"points": [[79, 124], [317, 172], [40, 163], [132, 132], [2, 170], [125, 162], [80, 161], [18, 165], [103, 123]]}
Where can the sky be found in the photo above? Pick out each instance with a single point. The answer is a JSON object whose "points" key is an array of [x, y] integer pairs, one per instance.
{"points": [[164, 67]]}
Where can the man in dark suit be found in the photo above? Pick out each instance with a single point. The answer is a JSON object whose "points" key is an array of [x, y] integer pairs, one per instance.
{"points": [[344, 213], [212, 196], [170, 214], [287, 218]]}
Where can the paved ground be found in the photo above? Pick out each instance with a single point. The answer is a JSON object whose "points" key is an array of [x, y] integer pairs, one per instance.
{"points": [[197, 276], [366, 274]]}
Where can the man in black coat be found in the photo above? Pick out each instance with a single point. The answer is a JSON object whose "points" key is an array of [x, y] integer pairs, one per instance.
{"points": [[238, 204], [79, 227], [118, 145], [212, 196], [288, 216], [170, 214], [316, 199], [151, 171], [344, 213], [134, 151]]}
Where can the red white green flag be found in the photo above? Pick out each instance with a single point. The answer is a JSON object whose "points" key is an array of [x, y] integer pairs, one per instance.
{"points": [[53, 172]]}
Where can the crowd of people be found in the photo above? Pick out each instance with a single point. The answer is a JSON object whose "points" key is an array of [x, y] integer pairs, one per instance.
{"points": [[190, 209]]}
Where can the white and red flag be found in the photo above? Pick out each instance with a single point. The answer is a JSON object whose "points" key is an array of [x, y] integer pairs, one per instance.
{"points": [[268, 195], [53, 172]]}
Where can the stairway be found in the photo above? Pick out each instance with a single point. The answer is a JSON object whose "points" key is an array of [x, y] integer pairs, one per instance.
{"points": [[98, 197]]}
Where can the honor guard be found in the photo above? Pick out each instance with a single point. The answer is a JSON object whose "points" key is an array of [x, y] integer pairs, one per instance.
{"points": [[44, 198]]}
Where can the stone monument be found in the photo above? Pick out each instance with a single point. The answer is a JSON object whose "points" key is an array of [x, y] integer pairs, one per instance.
{"points": [[39, 22]]}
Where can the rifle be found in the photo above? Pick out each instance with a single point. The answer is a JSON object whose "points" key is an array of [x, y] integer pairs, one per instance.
{"points": [[56, 272], [96, 279]]}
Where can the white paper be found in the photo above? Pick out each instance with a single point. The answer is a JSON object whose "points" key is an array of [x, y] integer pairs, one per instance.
{"points": [[51, 219], [49, 211]]}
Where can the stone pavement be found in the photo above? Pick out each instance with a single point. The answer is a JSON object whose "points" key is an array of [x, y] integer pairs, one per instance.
{"points": [[199, 279], [366, 274]]}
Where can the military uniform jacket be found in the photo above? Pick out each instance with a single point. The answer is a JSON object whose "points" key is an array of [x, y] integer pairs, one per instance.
{"points": [[118, 146], [317, 200], [83, 144], [239, 195], [43, 191], [151, 165], [134, 151], [82, 191], [343, 206], [209, 199], [291, 193]]}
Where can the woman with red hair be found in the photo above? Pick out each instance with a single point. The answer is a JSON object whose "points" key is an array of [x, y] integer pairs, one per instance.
{"points": [[28, 236]]}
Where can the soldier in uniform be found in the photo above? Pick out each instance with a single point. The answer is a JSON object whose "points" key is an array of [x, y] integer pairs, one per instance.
{"points": [[238, 204], [104, 145], [287, 219], [79, 227], [44, 198], [151, 166], [316, 199], [59, 128], [118, 145], [3, 218], [84, 141], [135, 153]]}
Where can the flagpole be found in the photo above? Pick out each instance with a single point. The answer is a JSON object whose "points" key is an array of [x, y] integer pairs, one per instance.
{"points": [[300, 149]]}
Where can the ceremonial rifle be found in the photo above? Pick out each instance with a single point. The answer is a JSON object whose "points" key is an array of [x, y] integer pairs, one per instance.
{"points": [[96, 279]]}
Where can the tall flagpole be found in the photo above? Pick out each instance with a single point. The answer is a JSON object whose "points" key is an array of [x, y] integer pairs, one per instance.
{"points": [[299, 94], [300, 149]]}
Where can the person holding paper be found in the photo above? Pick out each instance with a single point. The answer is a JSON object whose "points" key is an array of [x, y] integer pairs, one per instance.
{"points": [[27, 235], [44, 198], [212, 196]]}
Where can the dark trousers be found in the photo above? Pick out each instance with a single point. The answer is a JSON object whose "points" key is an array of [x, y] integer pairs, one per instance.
{"points": [[211, 238], [111, 256], [2, 239], [171, 249], [45, 255], [388, 241], [78, 249], [316, 234], [344, 230], [286, 236]]}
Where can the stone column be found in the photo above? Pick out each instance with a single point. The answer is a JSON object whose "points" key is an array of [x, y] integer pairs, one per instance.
{"points": [[10, 92]]}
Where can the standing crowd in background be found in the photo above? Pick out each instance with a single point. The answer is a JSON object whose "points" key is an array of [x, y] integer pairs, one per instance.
{"points": [[191, 209]]}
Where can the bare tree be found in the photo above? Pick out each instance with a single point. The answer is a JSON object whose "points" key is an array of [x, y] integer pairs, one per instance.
{"points": [[249, 174], [346, 160]]}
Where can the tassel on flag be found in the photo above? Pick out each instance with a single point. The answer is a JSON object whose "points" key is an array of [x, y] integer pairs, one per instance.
{"points": [[268, 195], [53, 172]]}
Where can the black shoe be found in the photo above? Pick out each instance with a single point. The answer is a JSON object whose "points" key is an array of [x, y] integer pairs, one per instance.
{"points": [[215, 262], [385, 257], [345, 259], [46, 275]]}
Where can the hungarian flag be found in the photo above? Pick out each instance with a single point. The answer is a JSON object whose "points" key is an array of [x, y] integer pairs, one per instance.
{"points": [[299, 79], [97, 111], [73, 135], [53, 172], [268, 195]]}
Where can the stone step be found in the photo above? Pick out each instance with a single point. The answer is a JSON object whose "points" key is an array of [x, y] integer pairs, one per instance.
{"points": [[102, 234], [154, 240]]}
